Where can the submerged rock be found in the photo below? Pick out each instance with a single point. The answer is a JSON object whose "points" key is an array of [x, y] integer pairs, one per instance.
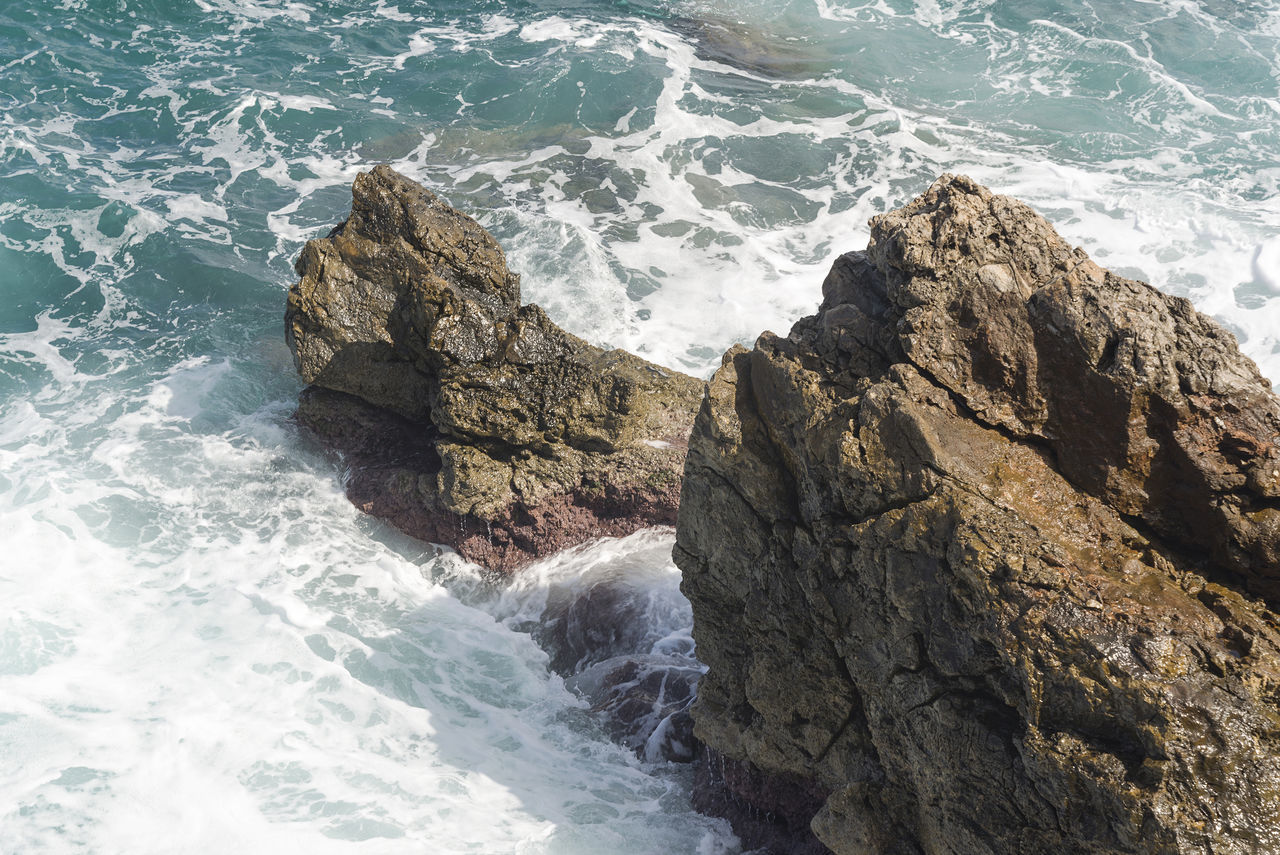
{"points": [[465, 417], [615, 626], [983, 556], [610, 635], [645, 702], [757, 50]]}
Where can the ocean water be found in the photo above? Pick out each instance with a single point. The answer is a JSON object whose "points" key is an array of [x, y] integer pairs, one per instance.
{"points": [[203, 647]]}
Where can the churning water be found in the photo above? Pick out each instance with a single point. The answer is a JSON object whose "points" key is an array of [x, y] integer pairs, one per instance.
{"points": [[203, 647]]}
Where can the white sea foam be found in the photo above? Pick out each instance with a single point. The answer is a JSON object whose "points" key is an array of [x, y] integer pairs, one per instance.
{"points": [[719, 294], [241, 642], [641, 561], [246, 14]]}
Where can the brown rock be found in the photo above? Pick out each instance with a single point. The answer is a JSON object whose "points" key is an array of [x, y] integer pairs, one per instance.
{"points": [[982, 553], [466, 418], [1145, 402]]}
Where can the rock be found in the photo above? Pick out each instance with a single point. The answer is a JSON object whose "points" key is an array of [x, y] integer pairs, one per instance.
{"points": [[983, 555], [759, 51], [770, 812], [618, 634], [599, 621], [465, 417], [644, 701]]}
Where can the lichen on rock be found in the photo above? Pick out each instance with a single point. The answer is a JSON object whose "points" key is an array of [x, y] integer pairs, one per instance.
{"points": [[983, 555], [467, 418]]}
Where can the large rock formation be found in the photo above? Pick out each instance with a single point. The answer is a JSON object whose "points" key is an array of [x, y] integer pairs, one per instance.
{"points": [[465, 417], [983, 557]]}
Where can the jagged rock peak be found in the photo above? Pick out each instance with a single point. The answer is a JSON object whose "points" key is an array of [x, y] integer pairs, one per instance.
{"points": [[1146, 403], [980, 555], [467, 418], [371, 293]]}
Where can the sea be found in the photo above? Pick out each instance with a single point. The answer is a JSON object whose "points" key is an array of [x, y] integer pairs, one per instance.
{"points": [[204, 648]]}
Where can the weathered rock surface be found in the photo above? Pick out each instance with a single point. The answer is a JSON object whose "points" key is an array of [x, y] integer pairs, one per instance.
{"points": [[983, 556], [467, 418]]}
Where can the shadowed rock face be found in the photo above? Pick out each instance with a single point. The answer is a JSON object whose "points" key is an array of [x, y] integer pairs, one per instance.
{"points": [[467, 418], [983, 556]]}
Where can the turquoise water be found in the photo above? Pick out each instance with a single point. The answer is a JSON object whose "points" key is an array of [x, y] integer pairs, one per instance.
{"points": [[202, 646]]}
